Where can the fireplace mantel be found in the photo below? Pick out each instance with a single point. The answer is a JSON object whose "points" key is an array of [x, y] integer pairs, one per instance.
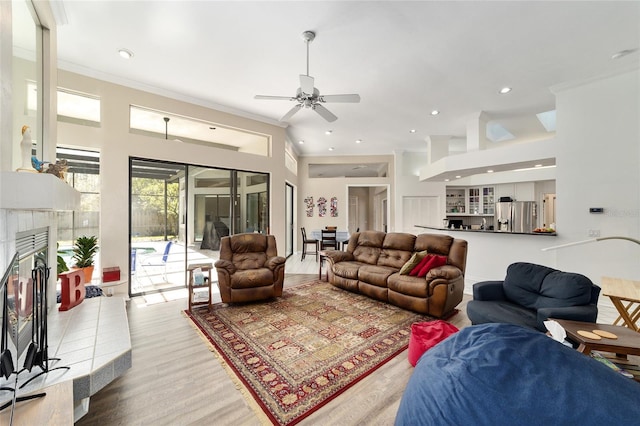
{"points": [[36, 191]]}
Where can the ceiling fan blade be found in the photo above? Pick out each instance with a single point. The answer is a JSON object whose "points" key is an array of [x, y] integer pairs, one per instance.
{"points": [[340, 98], [324, 113], [291, 112], [274, 98], [306, 84]]}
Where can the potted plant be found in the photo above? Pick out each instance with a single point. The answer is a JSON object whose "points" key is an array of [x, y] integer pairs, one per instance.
{"points": [[62, 265], [84, 249]]}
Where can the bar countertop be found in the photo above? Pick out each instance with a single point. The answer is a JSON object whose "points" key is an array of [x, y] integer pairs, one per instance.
{"points": [[485, 231]]}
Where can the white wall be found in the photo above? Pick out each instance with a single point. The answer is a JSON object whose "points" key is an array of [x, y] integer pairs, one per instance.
{"points": [[116, 145], [597, 153], [338, 187], [408, 184], [598, 160]]}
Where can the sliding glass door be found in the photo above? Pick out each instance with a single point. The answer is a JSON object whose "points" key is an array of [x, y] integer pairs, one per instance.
{"points": [[180, 213], [156, 225]]}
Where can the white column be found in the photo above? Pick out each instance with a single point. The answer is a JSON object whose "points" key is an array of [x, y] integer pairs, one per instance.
{"points": [[477, 132]]}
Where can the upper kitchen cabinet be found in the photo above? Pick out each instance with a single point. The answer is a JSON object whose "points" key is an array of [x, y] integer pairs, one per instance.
{"points": [[456, 200], [472, 201]]}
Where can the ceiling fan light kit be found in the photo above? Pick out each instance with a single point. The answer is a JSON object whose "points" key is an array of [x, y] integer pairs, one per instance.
{"points": [[308, 96]]}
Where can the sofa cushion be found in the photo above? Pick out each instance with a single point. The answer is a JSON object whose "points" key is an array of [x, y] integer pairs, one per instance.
{"points": [[560, 289], [433, 261], [393, 258], [251, 278], [406, 284], [412, 262], [347, 269], [375, 275], [482, 312], [397, 248], [251, 260], [523, 283]]}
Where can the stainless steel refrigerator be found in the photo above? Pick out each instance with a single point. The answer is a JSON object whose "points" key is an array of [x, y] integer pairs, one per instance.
{"points": [[516, 216]]}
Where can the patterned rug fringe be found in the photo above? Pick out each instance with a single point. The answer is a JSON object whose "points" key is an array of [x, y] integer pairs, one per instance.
{"points": [[251, 402]]}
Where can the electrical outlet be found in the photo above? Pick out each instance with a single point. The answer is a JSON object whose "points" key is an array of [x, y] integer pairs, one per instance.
{"points": [[594, 233]]}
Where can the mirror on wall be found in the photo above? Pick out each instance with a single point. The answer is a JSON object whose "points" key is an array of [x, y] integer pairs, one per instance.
{"points": [[27, 78]]}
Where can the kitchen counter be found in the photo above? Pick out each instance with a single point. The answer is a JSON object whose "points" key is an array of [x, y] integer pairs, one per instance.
{"points": [[485, 231]]}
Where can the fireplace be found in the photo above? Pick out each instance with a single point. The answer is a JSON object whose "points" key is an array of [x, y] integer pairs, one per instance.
{"points": [[23, 291]]}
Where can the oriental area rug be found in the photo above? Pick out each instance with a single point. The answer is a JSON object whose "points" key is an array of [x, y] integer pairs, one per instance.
{"points": [[295, 353]]}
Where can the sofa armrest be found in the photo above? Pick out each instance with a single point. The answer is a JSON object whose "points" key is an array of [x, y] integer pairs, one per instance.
{"points": [[273, 262], [447, 272], [488, 290], [335, 256], [584, 313], [226, 265]]}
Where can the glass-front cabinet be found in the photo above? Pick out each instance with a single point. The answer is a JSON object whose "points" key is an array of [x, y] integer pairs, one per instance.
{"points": [[488, 201], [470, 201], [455, 200]]}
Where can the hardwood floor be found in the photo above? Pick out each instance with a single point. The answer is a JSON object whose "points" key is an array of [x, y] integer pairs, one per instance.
{"points": [[176, 380]]}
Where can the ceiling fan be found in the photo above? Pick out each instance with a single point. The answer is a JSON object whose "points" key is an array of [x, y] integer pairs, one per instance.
{"points": [[308, 96]]}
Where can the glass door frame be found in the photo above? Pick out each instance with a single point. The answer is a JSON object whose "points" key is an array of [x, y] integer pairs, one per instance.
{"points": [[240, 185]]}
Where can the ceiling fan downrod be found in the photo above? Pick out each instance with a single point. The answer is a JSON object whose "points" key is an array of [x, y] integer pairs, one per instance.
{"points": [[308, 37]]}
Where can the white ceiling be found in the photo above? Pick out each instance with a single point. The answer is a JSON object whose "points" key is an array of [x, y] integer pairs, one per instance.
{"points": [[405, 59]]}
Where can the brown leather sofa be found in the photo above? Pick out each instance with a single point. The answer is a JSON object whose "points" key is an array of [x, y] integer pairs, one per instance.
{"points": [[249, 268], [372, 262]]}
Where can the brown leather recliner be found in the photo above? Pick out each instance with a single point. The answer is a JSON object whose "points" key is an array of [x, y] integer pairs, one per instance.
{"points": [[249, 268]]}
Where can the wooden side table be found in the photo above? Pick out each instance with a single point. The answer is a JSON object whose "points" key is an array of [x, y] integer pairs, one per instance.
{"points": [[627, 343], [625, 296], [206, 269]]}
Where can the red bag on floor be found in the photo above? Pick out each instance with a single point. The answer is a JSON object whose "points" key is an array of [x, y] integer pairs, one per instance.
{"points": [[425, 335]]}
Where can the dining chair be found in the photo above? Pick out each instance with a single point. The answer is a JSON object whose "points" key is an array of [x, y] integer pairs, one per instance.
{"points": [[328, 239], [345, 243], [305, 242]]}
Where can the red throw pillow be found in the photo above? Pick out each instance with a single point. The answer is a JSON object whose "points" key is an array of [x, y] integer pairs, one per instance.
{"points": [[433, 261], [416, 269]]}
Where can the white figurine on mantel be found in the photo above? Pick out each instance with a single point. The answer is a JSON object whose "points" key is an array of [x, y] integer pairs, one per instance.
{"points": [[25, 150]]}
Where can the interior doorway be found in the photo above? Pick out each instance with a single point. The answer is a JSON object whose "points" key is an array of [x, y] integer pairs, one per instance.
{"points": [[367, 207]]}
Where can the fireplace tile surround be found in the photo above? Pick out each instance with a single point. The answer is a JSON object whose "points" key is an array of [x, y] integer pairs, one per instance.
{"points": [[92, 338]]}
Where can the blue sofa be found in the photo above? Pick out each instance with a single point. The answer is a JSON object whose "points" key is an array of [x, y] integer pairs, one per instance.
{"points": [[530, 294], [504, 374]]}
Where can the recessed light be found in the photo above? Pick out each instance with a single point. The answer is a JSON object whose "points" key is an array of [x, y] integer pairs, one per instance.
{"points": [[412, 131], [125, 53], [538, 165], [489, 171], [505, 90], [435, 112], [300, 142], [458, 177], [328, 132], [331, 149], [447, 180], [358, 140]]}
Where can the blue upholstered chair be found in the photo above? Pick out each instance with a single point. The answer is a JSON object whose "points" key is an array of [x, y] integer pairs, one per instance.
{"points": [[530, 294]]}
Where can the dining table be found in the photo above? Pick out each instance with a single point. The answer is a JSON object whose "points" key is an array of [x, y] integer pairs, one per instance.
{"points": [[340, 235]]}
